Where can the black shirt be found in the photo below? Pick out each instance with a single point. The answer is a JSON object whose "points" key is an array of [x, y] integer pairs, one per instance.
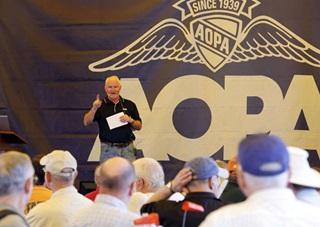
{"points": [[121, 134], [171, 213], [232, 194]]}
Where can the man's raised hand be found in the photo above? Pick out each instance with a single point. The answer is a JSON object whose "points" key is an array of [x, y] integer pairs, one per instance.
{"points": [[97, 103]]}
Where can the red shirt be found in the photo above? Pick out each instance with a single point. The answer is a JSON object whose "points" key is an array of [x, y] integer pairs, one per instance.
{"points": [[92, 195]]}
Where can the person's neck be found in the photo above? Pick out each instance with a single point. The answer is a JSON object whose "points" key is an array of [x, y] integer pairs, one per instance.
{"points": [[17, 200], [120, 195], [149, 190], [115, 100], [200, 190], [57, 187]]}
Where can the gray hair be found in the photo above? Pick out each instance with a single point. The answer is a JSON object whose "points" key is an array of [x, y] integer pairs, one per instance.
{"points": [[15, 169], [150, 171], [68, 176]]}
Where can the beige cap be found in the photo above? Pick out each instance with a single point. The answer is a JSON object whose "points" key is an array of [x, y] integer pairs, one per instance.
{"points": [[58, 160]]}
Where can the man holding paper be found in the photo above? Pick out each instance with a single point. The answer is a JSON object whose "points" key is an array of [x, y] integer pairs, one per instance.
{"points": [[116, 117]]}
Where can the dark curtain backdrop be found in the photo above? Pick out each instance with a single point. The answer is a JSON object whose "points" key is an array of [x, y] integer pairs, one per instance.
{"points": [[268, 79]]}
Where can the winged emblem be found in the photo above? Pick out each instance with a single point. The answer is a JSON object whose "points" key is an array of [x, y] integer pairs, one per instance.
{"points": [[170, 39]]}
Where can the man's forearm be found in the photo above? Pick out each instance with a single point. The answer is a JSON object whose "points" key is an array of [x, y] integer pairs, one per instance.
{"points": [[161, 194], [88, 117], [176, 185], [137, 125]]}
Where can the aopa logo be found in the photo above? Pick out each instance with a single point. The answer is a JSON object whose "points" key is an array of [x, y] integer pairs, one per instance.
{"points": [[215, 37]]}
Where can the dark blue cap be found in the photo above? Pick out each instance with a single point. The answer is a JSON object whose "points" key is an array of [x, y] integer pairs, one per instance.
{"points": [[263, 155]]}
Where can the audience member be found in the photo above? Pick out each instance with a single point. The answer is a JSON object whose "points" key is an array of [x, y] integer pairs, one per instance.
{"points": [[16, 181], [232, 193], [40, 192], [200, 179], [223, 177], [110, 206], [92, 195], [60, 173], [263, 175], [222, 164], [304, 181], [149, 179]]}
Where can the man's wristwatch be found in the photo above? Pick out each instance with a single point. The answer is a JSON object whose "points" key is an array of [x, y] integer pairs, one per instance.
{"points": [[169, 185], [132, 120]]}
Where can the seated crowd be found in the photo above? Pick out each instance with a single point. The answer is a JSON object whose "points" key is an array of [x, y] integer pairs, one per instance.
{"points": [[267, 184]]}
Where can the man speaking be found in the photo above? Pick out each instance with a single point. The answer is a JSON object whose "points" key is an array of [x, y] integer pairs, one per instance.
{"points": [[117, 118]]}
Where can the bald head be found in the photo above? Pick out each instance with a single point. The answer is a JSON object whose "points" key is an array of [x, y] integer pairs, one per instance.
{"points": [[117, 174]]}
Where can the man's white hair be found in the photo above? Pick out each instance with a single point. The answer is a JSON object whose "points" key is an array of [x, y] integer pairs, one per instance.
{"points": [[150, 171]]}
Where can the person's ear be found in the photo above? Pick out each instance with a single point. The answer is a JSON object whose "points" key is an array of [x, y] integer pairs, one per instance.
{"points": [[240, 179], [139, 184], [210, 183], [28, 185], [75, 174], [131, 188], [48, 179], [98, 181], [214, 182]]}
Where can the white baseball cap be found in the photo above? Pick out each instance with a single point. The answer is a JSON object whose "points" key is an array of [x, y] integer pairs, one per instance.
{"points": [[56, 161], [301, 172]]}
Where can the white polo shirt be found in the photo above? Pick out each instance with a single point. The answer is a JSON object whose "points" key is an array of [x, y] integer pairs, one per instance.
{"points": [[269, 207], [58, 209], [107, 210]]}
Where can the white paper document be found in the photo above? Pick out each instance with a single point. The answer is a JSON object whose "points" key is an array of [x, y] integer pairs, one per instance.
{"points": [[114, 121]]}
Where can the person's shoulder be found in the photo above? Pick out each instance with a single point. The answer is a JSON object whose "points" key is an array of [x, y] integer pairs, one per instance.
{"points": [[149, 207], [140, 196], [81, 213], [223, 214], [83, 199], [307, 207], [43, 213], [13, 220], [41, 207], [128, 101], [159, 206], [234, 195], [230, 209]]}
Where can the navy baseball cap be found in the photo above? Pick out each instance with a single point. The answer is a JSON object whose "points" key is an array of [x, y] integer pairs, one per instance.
{"points": [[263, 155]]}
